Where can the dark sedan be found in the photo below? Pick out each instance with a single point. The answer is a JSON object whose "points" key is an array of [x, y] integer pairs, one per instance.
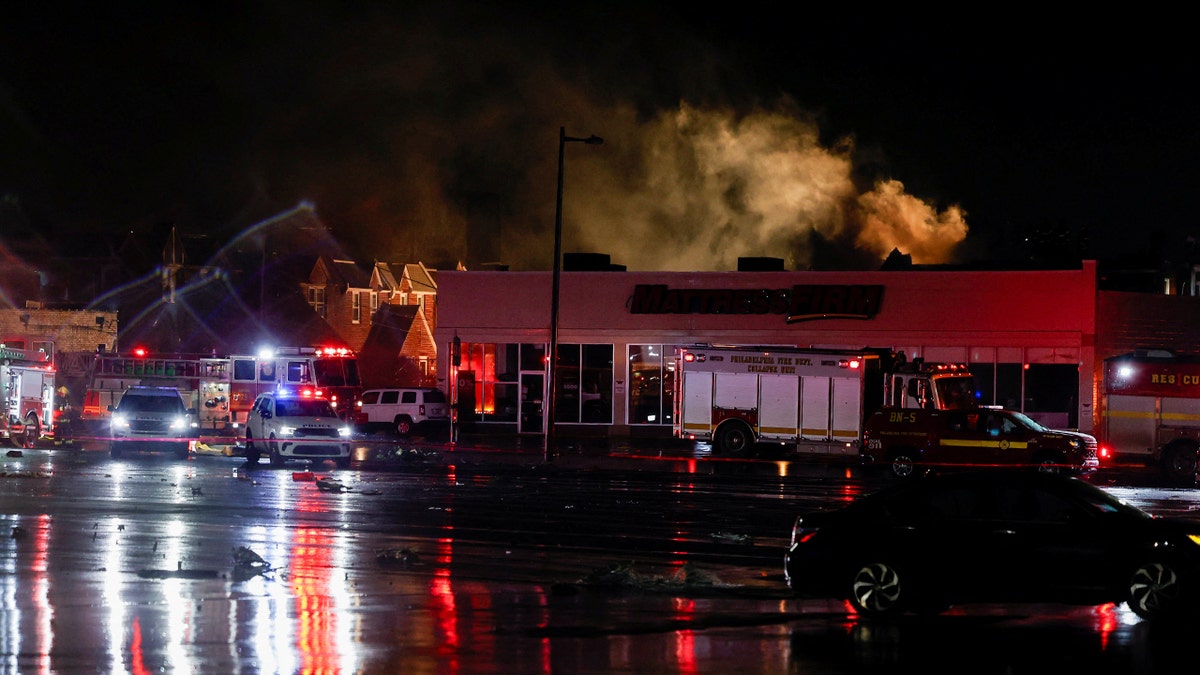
{"points": [[994, 536]]}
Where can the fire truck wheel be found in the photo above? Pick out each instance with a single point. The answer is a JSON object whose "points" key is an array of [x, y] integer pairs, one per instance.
{"points": [[1179, 463], [33, 431], [901, 464], [734, 438]]}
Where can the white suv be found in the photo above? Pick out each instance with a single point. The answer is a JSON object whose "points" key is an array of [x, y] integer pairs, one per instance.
{"points": [[298, 424], [403, 410], [152, 418]]}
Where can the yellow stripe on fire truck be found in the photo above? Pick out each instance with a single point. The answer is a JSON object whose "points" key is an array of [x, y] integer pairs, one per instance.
{"points": [[963, 443]]}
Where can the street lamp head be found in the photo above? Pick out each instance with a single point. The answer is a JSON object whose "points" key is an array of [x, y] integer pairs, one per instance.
{"points": [[590, 140]]}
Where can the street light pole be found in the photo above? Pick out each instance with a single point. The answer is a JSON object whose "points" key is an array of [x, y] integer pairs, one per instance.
{"points": [[551, 405]]}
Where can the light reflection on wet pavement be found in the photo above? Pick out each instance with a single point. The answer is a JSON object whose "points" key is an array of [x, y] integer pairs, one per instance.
{"points": [[458, 565]]}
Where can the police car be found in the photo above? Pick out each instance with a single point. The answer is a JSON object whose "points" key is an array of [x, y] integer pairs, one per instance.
{"points": [[290, 424]]}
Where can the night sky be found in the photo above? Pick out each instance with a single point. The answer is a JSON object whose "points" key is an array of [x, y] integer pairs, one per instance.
{"points": [[429, 131]]}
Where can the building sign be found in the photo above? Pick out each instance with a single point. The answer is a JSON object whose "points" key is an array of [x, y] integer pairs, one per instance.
{"points": [[805, 302]]}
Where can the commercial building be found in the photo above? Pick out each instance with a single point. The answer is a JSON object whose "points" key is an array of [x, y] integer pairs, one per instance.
{"points": [[1035, 339]]}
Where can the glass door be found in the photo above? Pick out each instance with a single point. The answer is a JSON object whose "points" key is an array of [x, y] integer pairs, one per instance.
{"points": [[533, 389]]}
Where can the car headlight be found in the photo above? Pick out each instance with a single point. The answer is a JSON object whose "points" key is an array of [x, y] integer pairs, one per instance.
{"points": [[1074, 443], [287, 431], [179, 424], [344, 432], [120, 421]]}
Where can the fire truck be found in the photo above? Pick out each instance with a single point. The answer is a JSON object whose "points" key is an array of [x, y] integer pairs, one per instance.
{"points": [[27, 406], [815, 400], [1150, 412], [221, 389]]}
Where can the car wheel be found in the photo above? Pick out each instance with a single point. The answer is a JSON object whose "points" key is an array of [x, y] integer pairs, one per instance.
{"points": [[1154, 590], [114, 450], [182, 451], [734, 439], [1048, 464], [404, 426], [875, 590], [252, 453], [273, 452], [902, 464], [342, 462]]}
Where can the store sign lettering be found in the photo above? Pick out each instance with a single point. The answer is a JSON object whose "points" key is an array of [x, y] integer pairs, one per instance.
{"points": [[799, 303]]}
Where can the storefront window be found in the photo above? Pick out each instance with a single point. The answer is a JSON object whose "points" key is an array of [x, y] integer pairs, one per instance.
{"points": [[487, 387], [985, 382], [1051, 393], [1008, 385], [651, 384], [584, 384]]}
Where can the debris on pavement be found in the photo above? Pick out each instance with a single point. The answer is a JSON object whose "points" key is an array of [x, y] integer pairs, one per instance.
{"points": [[177, 573], [731, 538], [623, 576], [247, 564], [24, 474], [332, 485], [303, 476], [397, 557]]}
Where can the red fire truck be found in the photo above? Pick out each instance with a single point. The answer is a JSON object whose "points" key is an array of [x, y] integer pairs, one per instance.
{"points": [[815, 400], [1150, 412], [221, 389], [27, 406]]}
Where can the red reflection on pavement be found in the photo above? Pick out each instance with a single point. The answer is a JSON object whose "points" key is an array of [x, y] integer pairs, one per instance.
{"points": [[135, 650], [685, 640], [445, 610], [1107, 623], [316, 616]]}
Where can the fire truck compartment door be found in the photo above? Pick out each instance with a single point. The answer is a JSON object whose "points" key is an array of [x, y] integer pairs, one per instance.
{"points": [[736, 391], [1181, 412], [1130, 423], [697, 402], [815, 423], [778, 415], [846, 409]]}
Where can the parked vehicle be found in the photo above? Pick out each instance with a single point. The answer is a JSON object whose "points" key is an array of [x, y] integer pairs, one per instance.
{"points": [[813, 400], [296, 424], [1150, 412], [912, 441], [26, 396], [995, 536], [154, 419], [402, 410]]}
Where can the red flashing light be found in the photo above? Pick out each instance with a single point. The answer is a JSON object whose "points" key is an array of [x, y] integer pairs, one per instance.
{"points": [[140, 352], [854, 364], [688, 357]]}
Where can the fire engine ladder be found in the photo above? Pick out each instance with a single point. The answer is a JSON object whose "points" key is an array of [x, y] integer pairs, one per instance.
{"points": [[148, 367]]}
